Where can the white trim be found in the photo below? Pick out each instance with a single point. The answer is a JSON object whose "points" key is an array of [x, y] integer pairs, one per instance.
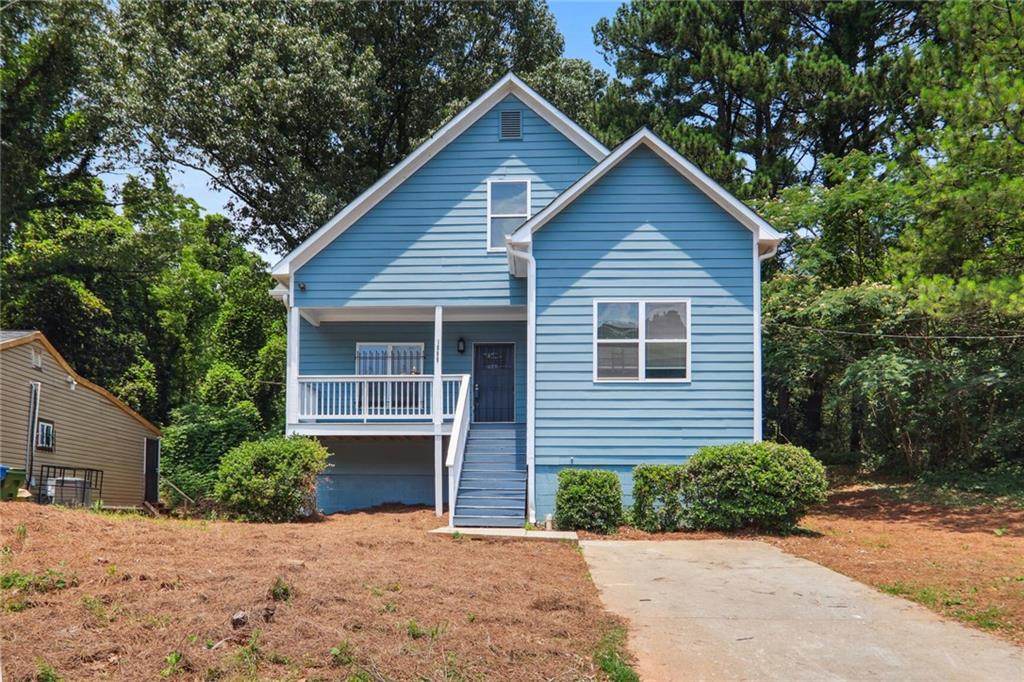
{"points": [[455, 313], [472, 379], [325, 430], [758, 362], [510, 180], [510, 84], [292, 372], [642, 341], [531, 376], [735, 207]]}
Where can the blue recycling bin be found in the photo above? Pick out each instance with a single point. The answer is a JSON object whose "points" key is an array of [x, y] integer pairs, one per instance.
{"points": [[3, 472]]}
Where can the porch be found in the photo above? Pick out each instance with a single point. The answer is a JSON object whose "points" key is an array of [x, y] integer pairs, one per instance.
{"points": [[417, 373]]}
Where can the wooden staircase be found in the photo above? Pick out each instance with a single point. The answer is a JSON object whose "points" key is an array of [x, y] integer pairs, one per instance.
{"points": [[492, 489]]}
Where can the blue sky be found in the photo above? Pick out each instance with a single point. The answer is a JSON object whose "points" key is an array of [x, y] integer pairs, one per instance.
{"points": [[575, 21]]}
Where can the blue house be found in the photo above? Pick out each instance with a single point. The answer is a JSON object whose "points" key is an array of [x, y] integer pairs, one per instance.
{"points": [[512, 299]]}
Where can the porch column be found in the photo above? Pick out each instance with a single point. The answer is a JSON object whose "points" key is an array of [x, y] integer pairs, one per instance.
{"points": [[437, 408], [292, 380]]}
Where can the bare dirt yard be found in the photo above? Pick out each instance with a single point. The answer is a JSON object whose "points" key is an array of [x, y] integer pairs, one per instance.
{"points": [[964, 562], [363, 596]]}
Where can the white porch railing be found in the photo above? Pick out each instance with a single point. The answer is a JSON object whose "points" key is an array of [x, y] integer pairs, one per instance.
{"points": [[457, 446], [377, 397]]}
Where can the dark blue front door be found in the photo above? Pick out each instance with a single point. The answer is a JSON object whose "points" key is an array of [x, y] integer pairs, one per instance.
{"points": [[494, 382]]}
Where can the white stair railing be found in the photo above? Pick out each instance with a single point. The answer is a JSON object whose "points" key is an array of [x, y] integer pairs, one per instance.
{"points": [[457, 446]]}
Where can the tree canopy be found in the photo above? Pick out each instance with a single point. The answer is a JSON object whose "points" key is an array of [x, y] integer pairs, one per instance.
{"points": [[885, 139]]}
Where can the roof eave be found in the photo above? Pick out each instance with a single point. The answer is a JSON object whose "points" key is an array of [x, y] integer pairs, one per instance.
{"points": [[509, 84]]}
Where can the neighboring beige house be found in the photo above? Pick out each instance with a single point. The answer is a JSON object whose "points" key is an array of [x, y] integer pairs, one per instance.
{"points": [[73, 437]]}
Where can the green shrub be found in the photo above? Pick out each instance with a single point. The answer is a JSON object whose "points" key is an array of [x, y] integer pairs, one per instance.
{"points": [[271, 480], [756, 485], [658, 497], [588, 499], [196, 440]]}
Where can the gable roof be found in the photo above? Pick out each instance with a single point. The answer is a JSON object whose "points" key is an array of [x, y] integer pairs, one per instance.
{"points": [[13, 339], [767, 236], [510, 84]]}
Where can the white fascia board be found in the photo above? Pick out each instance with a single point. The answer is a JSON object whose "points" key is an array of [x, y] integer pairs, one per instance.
{"points": [[510, 84], [732, 205]]}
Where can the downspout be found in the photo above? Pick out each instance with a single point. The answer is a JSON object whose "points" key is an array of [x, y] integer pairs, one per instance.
{"points": [[531, 373], [758, 388]]}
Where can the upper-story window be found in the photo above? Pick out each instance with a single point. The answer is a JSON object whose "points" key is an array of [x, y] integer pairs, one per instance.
{"points": [[642, 340], [508, 207], [44, 435]]}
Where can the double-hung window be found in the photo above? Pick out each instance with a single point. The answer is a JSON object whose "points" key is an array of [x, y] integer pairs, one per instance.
{"points": [[508, 207], [44, 434], [642, 340]]}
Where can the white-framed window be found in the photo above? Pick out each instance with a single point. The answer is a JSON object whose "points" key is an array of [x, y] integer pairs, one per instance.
{"points": [[645, 341], [379, 358], [508, 207], [44, 434]]}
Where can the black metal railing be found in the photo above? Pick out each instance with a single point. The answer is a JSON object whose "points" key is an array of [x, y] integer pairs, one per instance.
{"points": [[69, 486]]}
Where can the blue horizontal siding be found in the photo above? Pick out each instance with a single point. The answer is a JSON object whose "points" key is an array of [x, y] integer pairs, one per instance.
{"points": [[331, 347], [640, 232], [368, 472], [425, 243]]}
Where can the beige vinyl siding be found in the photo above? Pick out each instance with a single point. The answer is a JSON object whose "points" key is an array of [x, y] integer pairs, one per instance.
{"points": [[89, 430]]}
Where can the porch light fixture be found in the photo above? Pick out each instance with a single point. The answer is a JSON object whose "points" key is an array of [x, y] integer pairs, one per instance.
{"points": [[460, 345], [302, 286]]}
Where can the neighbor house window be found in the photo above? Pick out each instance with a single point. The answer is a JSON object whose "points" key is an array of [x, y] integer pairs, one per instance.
{"points": [[44, 435], [389, 358], [642, 340], [508, 207]]}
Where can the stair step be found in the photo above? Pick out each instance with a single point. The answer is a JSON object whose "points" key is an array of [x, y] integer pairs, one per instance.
{"points": [[489, 521], [487, 500], [490, 485], [492, 466], [494, 494], [475, 510], [485, 475]]}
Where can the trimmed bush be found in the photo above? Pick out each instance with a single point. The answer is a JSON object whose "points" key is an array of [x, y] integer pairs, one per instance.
{"points": [[271, 480], [588, 499], [658, 497], [751, 485]]}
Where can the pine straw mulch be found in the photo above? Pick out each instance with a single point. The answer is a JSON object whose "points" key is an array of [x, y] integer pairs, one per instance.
{"points": [[396, 602], [966, 563]]}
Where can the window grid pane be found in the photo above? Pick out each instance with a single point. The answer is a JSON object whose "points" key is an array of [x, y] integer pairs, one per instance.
{"points": [[502, 228], [665, 360], [508, 199], [618, 360], [618, 321], [665, 320]]}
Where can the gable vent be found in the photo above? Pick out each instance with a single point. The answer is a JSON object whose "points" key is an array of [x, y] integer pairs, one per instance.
{"points": [[511, 125]]}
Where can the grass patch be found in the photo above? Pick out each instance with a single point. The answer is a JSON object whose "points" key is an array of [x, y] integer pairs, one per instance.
{"points": [[342, 654], [49, 580], [1002, 485], [280, 590], [610, 656], [46, 672], [952, 604]]}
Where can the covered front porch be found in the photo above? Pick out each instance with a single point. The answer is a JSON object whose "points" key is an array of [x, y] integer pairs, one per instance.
{"points": [[383, 372]]}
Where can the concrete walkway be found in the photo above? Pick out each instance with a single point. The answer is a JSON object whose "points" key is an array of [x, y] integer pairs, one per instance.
{"points": [[741, 610]]}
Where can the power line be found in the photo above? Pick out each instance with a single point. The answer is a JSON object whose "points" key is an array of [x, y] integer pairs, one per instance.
{"points": [[843, 332]]}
